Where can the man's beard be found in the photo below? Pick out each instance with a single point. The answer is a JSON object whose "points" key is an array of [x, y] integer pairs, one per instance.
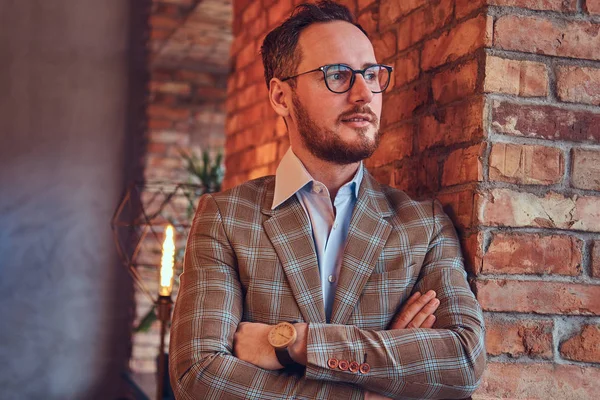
{"points": [[327, 144]]}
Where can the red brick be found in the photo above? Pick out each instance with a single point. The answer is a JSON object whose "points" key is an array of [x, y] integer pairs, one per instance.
{"points": [[550, 5], [584, 346], [391, 10], [505, 207], [247, 55], [368, 21], [455, 83], [517, 338], [538, 297], [592, 7], [577, 39], [385, 175], [533, 254], [521, 78], [595, 258], [399, 106], [395, 145], [251, 12], [407, 68], [159, 111], [455, 124], [384, 45], [462, 8], [362, 4], [585, 169], [164, 22], [463, 166], [258, 26], [181, 88], [578, 84], [199, 78], [526, 164], [278, 12], [545, 122], [472, 248], [463, 39], [155, 123], [459, 206], [413, 28], [538, 381], [428, 173]]}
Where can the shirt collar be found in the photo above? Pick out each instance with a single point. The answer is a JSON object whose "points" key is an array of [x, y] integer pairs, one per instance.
{"points": [[291, 176]]}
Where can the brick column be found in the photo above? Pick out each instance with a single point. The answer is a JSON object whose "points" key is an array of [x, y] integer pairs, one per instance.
{"points": [[495, 110]]}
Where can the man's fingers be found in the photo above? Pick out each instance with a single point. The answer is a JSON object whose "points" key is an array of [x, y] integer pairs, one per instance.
{"points": [[415, 296], [428, 323], [425, 312], [410, 310]]}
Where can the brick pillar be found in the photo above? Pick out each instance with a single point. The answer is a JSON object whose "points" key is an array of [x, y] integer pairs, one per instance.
{"points": [[538, 204], [493, 109]]}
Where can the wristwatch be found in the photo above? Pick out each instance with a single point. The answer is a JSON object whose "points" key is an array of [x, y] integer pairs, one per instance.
{"points": [[281, 337]]}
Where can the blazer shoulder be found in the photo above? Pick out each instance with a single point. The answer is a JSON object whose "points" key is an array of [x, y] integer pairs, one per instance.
{"points": [[402, 203], [249, 193]]}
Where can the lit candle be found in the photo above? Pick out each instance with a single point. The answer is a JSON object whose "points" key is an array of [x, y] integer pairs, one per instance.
{"points": [[166, 264]]}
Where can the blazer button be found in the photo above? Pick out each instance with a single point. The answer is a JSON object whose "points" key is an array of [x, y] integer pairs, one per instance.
{"points": [[364, 368], [353, 367], [343, 365], [332, 363]]}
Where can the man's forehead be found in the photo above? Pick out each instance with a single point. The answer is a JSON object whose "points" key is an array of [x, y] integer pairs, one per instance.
{"points": [[335, 42]]}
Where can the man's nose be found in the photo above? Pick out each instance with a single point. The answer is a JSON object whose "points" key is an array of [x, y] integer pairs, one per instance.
{"points": [[360, 91]]}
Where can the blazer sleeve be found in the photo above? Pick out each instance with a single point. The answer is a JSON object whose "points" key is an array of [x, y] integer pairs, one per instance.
{"points": [[444, 362], [206, 315]]}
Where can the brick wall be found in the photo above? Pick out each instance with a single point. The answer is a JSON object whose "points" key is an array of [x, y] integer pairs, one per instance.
{"points": [[495, 110], [188, 49]]}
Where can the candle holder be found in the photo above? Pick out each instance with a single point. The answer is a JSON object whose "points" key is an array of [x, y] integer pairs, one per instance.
{"points": [[139, 225]]}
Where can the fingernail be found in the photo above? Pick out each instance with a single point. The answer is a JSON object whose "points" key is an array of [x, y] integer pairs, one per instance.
{"points": [[431, 294]]}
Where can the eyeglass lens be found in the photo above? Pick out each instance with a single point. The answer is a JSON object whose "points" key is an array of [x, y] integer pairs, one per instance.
{"points": [[339, 78]]}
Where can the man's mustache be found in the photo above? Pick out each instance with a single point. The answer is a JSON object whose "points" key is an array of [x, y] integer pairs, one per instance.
{"points": [[360, 110]]}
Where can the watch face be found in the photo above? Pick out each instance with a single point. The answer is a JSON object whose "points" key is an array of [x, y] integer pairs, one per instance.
{"points": [[282, 335]]}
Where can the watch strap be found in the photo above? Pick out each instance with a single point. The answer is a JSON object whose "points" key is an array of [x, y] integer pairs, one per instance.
{"points": [[284, 358]]}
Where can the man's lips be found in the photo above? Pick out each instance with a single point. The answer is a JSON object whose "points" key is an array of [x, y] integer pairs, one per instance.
{"points": [[357, 118]]}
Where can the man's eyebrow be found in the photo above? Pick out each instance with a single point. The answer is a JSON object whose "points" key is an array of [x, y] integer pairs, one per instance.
{"points": [[369, 64]]}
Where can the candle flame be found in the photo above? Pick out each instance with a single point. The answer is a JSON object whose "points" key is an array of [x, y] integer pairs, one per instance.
{"points": [[166, 264]]}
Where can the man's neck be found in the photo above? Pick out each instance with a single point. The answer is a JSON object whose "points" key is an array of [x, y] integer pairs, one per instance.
{"points": [[332, 175]]}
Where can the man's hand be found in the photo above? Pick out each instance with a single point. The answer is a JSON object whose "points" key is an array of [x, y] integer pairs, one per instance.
{"points": [[250, 344], [417, 312]]}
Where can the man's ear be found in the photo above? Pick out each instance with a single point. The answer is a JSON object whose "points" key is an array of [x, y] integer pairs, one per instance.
{"points": [[279, 97]]}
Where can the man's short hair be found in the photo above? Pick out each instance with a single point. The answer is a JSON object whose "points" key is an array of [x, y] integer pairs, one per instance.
{"points": [[279, 49]]}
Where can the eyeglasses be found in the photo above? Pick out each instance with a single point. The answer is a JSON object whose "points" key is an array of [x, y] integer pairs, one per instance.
{"points": [[339, 78]]}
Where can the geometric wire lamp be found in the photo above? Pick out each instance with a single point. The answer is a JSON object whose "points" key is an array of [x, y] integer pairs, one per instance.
{"points": [[150, 227]]}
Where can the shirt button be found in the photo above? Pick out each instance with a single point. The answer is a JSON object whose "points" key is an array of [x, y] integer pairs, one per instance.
{"points": [[331, 279], [354, 366], [317, 189], [332, 363], [335, 226]]}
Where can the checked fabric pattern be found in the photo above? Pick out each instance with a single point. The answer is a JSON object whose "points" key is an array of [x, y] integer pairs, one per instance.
{"points": [[246, 262]]}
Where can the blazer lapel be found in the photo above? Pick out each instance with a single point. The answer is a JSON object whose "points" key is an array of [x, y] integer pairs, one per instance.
{"points": [[367, 236], [289, 231]]}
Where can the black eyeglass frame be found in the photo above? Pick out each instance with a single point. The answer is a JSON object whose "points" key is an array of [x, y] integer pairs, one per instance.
{"points": [[324, 69]]}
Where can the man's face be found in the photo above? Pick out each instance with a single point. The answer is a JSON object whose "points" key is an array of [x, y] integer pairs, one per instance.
{"points": [[341, 128]]}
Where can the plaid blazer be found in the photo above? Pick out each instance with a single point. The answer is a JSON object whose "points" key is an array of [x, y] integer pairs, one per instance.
{"points": [[246, 262]]}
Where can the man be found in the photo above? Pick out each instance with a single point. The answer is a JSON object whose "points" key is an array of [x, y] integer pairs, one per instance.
{"points": [[291, 283]]}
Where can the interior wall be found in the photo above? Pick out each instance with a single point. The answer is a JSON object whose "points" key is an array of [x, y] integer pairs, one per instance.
{"points": [[65, 110]]}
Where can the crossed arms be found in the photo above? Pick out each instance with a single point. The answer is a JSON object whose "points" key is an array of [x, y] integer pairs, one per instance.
{"points": [[444, 362]]}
